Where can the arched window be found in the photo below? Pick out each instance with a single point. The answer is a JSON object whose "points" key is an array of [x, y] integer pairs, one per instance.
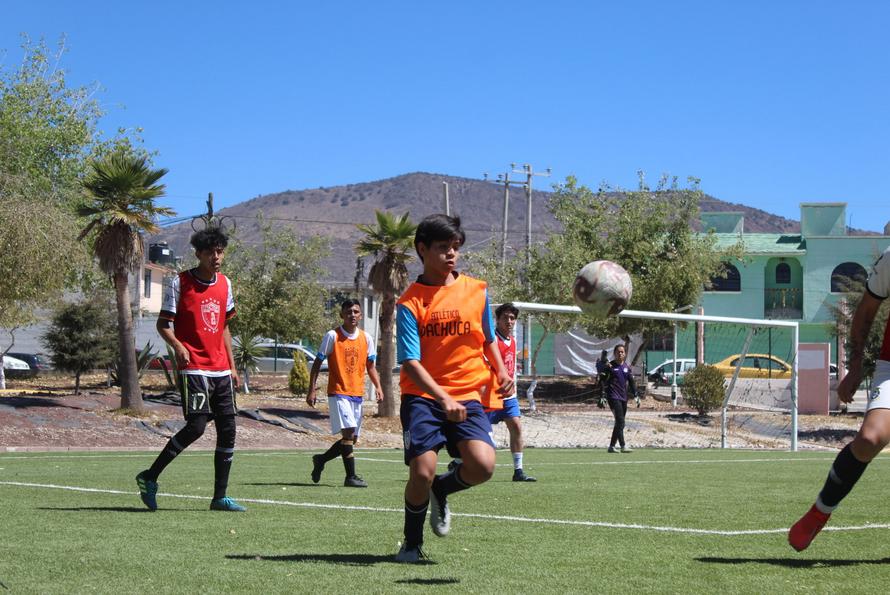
{"points": [[731, 282], [844, 273], [783, 273]]}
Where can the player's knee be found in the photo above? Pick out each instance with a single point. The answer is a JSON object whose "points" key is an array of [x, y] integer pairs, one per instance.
{"points": [[869, 442], [193, 429], [226, 430]]}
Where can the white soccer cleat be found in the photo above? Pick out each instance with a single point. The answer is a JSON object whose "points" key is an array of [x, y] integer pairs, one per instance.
{"points": [[440, 515]]}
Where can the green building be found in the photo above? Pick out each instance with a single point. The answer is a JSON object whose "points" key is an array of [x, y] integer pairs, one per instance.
{"points": [[795, 277], [781, 276]]}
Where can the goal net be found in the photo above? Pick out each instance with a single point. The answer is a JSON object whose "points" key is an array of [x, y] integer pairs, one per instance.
{"points": [[758, 359]]}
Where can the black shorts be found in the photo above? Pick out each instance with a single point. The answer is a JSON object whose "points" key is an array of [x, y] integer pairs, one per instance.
{"points": [[207, 394]]}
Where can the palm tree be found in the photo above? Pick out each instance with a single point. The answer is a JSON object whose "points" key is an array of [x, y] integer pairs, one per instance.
{"points": [[121, 189], [391, 243]]}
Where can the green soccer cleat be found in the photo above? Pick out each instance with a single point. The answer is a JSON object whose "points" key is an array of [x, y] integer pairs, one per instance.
{"points": [[148, 491], [226, 504]]}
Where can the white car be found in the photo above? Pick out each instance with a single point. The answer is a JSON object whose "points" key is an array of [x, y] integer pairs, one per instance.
{"points": [[13, 367], [280, 357], [662, 374]]}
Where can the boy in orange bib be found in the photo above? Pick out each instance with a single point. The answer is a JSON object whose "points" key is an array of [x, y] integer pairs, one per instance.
{"points": [[350, 354], [444, 328]]}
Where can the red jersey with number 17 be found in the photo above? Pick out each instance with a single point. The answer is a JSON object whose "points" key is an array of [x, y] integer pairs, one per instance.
{"points": [[199, 311]]}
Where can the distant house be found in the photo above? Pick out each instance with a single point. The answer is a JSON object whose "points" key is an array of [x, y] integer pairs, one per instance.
{"points": [[782, 276], [791, 276], [150, 287]]}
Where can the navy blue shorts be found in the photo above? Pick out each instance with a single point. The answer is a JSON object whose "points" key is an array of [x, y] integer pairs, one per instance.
{"points": [[425, 427], [511, 409]]}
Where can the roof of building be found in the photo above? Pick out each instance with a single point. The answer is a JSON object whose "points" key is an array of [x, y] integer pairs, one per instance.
{"points": [[764, 243]]}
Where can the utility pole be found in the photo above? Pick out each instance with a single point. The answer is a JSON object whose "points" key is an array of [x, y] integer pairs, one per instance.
{"points": [[506, 181], [447, 200], [529, 176]]}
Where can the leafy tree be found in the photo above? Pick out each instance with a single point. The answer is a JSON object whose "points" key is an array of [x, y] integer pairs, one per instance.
{"points": [[298, 379], [277, 288], [703, 388], [47, 132], [82, 337], [122, 189], [391, 243], [648, 232]]}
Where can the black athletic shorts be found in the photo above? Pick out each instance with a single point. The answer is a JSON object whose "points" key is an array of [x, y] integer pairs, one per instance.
{"points": [[207, 394]]}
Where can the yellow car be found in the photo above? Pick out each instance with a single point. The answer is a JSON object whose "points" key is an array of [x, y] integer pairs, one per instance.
{"points": [[755, 365]]}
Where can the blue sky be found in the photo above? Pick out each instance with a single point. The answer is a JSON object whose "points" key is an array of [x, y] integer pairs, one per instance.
{"points": [[770, 103]]}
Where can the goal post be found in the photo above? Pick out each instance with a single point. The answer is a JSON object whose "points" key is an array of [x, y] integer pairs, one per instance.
{"points": [[781, 398]]}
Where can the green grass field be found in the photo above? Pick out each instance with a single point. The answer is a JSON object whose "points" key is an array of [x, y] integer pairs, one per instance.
{"points": [[655, 521]]}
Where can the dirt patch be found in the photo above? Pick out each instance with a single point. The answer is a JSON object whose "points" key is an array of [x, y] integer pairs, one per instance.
{"points": [[44, 414]]}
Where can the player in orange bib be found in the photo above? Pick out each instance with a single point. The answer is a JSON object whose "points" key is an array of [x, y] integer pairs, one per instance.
{"points": [[444, 327], [350, 352]]}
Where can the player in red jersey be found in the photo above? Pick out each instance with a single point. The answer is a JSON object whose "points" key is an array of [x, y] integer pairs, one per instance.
{"points": [[874, 434], [506, 409], [199, 304]]}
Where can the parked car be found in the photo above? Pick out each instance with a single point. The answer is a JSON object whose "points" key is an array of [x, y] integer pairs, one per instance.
{"points": [[36, 361], [280, 358], [662, 374], [755, 365], [160, 362], [13, 367]]}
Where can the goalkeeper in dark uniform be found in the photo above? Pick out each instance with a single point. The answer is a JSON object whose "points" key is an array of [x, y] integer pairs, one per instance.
{"points": [[617, 381]]}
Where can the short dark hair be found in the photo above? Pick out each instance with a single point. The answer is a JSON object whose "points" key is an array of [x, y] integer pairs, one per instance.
{"points": [[438, 228], [505, 308], [349, 303], [208, 239]]}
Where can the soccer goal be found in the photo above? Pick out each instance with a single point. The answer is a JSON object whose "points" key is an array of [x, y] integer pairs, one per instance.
{"points": [[757, 356]]}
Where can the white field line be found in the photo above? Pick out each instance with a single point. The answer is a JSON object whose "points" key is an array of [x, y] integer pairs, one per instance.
{"points": [[491, 517]]}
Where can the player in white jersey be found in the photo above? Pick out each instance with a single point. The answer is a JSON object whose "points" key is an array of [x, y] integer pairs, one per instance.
{"points": [[874, 434]]}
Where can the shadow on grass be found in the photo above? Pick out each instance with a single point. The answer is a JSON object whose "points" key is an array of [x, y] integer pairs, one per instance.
{"points": [[344, 559], [428, 581], [100, 509], [796, 562]]}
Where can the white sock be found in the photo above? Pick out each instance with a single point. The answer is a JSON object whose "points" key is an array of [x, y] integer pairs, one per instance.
{"points": [[517, 460]]}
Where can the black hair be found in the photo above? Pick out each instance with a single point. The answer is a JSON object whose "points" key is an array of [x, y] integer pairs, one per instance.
{"points": [[208, 239], [349, 303], [504, 308], [438, 228]]}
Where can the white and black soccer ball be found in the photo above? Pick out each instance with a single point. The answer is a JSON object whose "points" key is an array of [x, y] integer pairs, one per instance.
{"points": [[602, 288]]}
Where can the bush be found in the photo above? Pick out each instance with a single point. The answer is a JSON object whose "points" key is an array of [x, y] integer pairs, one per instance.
{"points": [[703, 388], [82, 336], [298, 382]]}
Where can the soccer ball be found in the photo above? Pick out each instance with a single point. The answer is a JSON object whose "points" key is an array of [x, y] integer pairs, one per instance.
{"points": [[602, 288]]}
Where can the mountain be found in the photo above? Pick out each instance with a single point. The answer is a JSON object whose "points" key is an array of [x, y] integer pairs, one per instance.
{"points": [[334, 211]]}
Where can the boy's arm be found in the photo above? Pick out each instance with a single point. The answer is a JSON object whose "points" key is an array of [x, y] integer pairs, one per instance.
{"points": [[506, 385], [166, 331], [375, 378], [313, 376], [227, 340]]}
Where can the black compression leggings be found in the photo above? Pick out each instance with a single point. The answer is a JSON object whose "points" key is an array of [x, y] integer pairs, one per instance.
{"points": [[619, 410]]}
